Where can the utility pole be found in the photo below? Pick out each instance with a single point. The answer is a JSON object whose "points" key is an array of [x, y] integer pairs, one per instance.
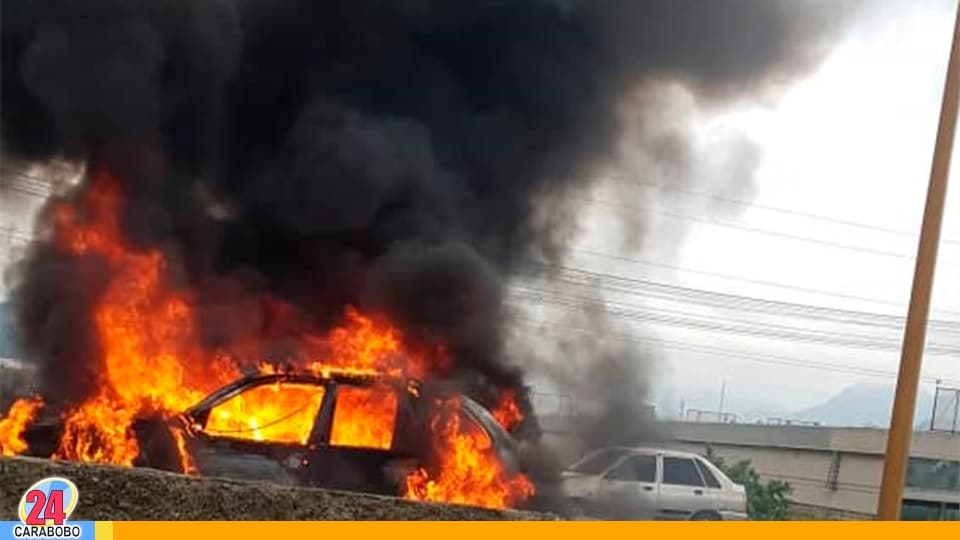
{"points": [[914, 337], [723, 393]]}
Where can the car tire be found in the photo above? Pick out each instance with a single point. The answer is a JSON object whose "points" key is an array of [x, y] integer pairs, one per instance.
{"points": [[706, 515], [577, 509], [158, 448]]}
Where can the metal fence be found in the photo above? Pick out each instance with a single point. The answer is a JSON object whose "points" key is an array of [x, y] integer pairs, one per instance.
{"points": [[709, 417]]}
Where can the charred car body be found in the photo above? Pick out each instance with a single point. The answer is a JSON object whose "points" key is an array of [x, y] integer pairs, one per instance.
{"points": [[343, 431]]}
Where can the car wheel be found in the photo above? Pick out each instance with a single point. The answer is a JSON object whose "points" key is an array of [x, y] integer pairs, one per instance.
{"points": [[158, 449], [577, 509], [395, 472], [706, 515]]}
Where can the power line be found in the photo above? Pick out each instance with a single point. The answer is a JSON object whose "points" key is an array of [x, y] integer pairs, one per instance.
{"points": [[789, 211], [26, 190], [25, 179], [633, 312], [765, 283], [768, 331], [721, 326], [754, 230], [768, 359], [673, 292]]}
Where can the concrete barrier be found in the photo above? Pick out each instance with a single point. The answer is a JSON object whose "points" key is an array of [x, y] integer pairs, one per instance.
{"points": [[119, 493]]}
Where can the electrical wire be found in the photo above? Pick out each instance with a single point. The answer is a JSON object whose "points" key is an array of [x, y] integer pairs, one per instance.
{"points": [[767, 359], [776, 209]]}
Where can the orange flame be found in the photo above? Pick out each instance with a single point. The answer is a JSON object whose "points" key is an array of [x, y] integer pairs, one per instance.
{"points": [[364, 417], [21, 413], [282, 412], [154, 364], [508, 413], [468, 471], [186, 462], [145, 331], [367, 345]]}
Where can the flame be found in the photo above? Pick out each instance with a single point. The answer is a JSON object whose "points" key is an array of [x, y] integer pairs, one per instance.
{"points": [[281, 412], [364, 417], [369, 345], [145, 331], [186, 462], [508, 413], [21, 413], [152, 363], [468, 472]]}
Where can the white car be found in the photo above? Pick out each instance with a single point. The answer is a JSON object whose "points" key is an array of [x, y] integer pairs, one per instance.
{"points": [[651, 483]]}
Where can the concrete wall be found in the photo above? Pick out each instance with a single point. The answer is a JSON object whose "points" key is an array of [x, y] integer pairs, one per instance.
{"points": [[858, 440], [118, 493]]}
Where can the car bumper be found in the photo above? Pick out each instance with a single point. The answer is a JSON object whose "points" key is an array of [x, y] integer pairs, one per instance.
{"points": [[730, 515]]}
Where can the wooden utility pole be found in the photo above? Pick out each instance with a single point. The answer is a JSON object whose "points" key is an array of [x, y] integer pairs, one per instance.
{"points": [[915, 333]]}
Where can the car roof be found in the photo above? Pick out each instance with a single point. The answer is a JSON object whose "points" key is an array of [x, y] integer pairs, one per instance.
{"points": [[260, 379], [648, 450]]}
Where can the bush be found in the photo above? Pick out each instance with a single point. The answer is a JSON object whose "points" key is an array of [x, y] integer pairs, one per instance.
{"points": [[766, 501]]}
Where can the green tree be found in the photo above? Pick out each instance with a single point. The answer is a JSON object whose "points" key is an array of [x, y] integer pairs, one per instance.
{"points": [[766, 501]]}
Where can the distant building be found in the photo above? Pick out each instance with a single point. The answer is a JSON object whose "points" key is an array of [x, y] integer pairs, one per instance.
{"points": [[835, 472]]}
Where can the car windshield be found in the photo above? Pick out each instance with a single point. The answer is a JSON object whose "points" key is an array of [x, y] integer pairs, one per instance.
{"points": [[598, 462]]}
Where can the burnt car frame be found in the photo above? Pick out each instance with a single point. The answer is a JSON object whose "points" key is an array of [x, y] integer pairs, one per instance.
{"points": [[316, 462]]}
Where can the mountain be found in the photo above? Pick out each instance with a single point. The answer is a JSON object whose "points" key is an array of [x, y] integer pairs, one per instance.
{"points": [[863, 405]]}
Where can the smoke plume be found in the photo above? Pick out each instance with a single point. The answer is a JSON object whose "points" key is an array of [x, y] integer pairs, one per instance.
{"points": [[404, 157]]}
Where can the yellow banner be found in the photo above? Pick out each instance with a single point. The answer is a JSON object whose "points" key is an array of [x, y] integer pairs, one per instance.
{"points": [[582, 530]]}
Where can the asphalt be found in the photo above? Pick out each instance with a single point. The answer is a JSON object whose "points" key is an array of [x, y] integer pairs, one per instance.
{"points": [[118, 494]]}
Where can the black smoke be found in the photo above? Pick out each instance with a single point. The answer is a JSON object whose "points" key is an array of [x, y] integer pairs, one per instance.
{"points": [[395, 155]]}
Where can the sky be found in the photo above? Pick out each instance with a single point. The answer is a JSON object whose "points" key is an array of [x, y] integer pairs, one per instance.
{"points": [[850, 143]]}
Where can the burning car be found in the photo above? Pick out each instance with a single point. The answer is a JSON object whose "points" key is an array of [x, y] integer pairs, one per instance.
{"points": [[351, 431], [359, 403]]}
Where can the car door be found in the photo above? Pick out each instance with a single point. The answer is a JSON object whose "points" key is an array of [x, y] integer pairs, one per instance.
{"points": [[260, 432], [682, 490], [274, 413], [629, 489], [363, 439], [714, 489]]}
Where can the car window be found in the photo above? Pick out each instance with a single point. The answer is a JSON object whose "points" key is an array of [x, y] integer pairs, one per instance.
{"points": [[707, 474], [598, 462], [364, 417], [681, 472], [280, 412], [635, 469]]}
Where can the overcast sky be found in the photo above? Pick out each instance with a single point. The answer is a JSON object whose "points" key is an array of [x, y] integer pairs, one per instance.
{"points": [[852, 142]]}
